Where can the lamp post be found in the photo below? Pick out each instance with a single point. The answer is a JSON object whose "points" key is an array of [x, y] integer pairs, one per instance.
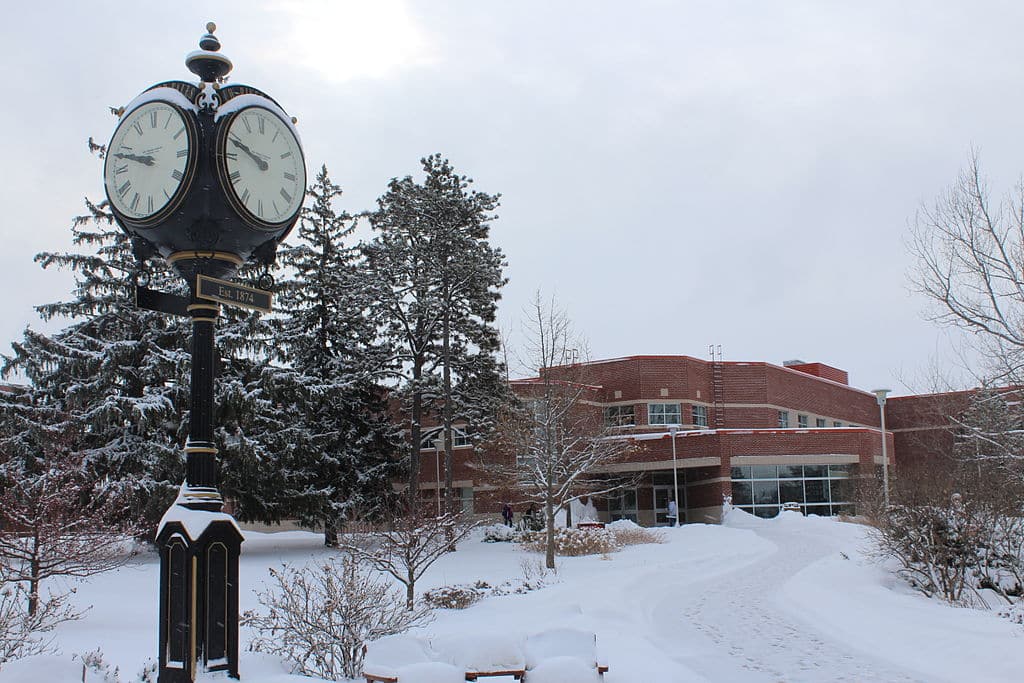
{"points": [[880, 394], [438, 444], [672, 429], [206, 176]]}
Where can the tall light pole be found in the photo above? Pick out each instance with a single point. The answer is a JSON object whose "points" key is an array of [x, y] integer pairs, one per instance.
{"points": [[672, 429], [438, 444], [881, 394]]}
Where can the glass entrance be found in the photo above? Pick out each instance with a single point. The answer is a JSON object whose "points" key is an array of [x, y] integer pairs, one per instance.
{"points": [[663, 493]]}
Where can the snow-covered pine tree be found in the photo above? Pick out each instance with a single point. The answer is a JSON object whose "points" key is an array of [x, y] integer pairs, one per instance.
{"points": [[438, 283], [117, 375], [334, 438]]}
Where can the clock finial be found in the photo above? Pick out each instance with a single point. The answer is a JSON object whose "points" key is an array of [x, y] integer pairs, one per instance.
{"points": [[207, 62]]}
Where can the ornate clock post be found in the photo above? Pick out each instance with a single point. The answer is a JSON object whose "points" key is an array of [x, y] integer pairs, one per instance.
{"points": [[208, 177]]}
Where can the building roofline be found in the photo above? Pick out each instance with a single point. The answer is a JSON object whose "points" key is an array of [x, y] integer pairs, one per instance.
{"points": [[726, 362]]}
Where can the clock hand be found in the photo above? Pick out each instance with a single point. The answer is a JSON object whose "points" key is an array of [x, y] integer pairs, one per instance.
{"points": [[147, 160], [263, 165]]}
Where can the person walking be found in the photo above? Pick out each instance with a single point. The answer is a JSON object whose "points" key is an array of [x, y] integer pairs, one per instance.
{"points": [[673, 513], [506, 514]]}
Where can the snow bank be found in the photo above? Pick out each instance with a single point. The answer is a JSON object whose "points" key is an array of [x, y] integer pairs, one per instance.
{"points": [[860, 602]]}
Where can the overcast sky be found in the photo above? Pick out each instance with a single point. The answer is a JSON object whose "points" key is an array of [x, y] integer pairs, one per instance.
{"points": [[677, 174]]}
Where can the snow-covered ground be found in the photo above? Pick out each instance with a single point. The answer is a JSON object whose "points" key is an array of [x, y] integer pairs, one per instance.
{"points": [[789, 599]]}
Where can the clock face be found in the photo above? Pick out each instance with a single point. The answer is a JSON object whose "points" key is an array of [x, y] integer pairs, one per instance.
{"points": [[262, 167], [148, 167]]}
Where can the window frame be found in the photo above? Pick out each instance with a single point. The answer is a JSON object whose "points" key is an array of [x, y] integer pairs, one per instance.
{"points": [[665, 415], [615, 416], [699, 415]]}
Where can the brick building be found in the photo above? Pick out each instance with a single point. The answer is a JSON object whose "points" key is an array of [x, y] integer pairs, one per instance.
{"points": [[761, 433]]}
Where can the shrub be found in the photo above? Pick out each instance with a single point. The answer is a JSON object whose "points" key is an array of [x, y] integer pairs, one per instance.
{"points": [[576, 542], [631, 533], [498, 533], [353, 606], [24, 633], [459, 596]]}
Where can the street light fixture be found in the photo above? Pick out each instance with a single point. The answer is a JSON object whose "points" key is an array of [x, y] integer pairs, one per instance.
{"points": [[438, 445], [880, 394], [672, 429]]}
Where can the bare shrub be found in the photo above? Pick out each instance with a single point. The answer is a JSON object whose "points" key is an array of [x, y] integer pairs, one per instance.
{"points": [[634, 534], [319, 618], [498, 533], [456, 597], [95, 662], [955, 534], [570, 542], [24, 633]]}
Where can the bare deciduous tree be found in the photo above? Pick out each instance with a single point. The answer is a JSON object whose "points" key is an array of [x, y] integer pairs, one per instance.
{"points": [[970, 263], [553, 438], [55, 522], [409, 548]]}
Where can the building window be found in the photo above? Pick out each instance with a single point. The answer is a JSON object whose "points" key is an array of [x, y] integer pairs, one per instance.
{"points": [[663, 414], [818, 489], [801, 421], [819, 422], [619, 416], [837, 424], [459, 438], [783, 419], [622, 505], [700, 416]]}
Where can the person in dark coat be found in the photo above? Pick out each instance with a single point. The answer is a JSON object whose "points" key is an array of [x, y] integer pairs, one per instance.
{"points": [[506, 514]]}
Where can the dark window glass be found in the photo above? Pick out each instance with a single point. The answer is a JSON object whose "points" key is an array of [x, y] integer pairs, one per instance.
{"points": [[815, 471], [790, 471], [700, 416], [791, 491], [741, 493], [619, 416], [764, 472], [821, 510], [842, 509], [816, 490], [741, 473], [801, 421], [838, 470], [766, 492], [841, 492], [819, 422], [766, 511]]}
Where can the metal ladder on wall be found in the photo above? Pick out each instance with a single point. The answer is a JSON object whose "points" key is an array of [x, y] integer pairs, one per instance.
{"points": [[717, 386]]}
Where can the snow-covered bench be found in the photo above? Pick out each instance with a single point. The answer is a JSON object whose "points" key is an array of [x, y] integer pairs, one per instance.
{"points": [[483, 654], [405, 659], [563, 654]]}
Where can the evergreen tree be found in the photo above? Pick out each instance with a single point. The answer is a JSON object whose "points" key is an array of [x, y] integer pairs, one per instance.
{"points": [[438, 283], [332, 434], [117, 375]]}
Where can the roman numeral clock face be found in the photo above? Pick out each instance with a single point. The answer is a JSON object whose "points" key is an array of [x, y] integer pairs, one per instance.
{"points": [[147, 162], [263, 167]]}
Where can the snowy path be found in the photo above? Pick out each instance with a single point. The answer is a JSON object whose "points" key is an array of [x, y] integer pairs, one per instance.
{"points": [[737, 626]]}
